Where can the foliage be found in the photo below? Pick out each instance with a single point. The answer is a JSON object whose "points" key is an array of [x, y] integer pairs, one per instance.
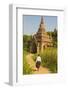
{"points": [[53, 34], [26, 68], [26, 42], [49, 59]]}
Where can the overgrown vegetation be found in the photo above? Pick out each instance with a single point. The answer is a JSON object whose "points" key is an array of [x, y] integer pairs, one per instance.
{"points": [[49, 59], [26, 42], [53, 34], [26, 67]]}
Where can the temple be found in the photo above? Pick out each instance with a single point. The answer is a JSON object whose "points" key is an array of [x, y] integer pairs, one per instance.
{"points": [[41, 38]]}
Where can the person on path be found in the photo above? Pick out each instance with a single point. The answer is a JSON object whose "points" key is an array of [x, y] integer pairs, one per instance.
{"points": [[38, 62]]}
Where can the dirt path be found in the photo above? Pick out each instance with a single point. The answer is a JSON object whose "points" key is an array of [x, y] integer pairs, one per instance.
{"points": [[31, 62]]}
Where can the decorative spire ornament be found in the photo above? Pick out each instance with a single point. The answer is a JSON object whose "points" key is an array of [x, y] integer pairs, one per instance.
{"points": [[42, 21]]}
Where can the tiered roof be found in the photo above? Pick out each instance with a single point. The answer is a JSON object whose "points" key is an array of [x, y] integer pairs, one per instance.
{"points": [[42, 35]]}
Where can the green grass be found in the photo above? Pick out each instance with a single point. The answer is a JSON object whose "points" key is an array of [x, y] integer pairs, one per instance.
{"points": [[49, 59], [26, 68]]}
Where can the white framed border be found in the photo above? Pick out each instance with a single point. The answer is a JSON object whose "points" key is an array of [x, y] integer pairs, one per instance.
{"points": [[15, 64]]}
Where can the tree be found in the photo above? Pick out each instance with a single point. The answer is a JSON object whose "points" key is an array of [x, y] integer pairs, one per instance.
{"points": [[26, 42], [53, 34]]}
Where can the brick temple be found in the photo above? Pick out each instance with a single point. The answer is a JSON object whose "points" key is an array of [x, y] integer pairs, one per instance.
{"points": [[41, 39]]}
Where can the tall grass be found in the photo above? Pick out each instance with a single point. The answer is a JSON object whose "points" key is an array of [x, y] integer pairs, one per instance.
{"points": [[49, 59], [26, 67]]}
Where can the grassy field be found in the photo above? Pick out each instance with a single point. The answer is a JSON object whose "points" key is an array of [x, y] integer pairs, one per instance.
{"points": [[49, 59]]}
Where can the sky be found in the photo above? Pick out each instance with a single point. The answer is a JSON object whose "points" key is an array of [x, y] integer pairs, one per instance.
{"points": [[31, 23]]}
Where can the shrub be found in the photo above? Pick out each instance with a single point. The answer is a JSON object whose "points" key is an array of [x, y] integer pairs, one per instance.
{"points": [[26, 68]]}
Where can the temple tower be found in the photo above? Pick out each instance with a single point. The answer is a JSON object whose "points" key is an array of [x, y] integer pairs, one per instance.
{"points": [[42, 38]]}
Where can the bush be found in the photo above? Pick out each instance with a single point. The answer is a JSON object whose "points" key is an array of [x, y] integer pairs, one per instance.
{"points": [[26, 68], [26, 42]]}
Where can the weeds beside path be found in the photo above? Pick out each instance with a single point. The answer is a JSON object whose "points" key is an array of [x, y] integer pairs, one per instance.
{"points": [[31, 62]]}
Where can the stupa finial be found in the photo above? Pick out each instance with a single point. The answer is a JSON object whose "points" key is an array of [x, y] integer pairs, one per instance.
{"points": [[42, 21]]}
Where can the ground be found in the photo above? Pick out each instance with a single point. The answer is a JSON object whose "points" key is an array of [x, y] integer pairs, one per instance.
{"points": [[31, 62]]}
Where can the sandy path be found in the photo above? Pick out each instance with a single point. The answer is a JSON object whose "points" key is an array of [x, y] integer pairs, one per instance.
{"points": [[31, 62]]}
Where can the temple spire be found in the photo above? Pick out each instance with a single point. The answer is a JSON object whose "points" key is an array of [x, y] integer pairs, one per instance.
{"points": [[42, 25], [42, 21]]}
